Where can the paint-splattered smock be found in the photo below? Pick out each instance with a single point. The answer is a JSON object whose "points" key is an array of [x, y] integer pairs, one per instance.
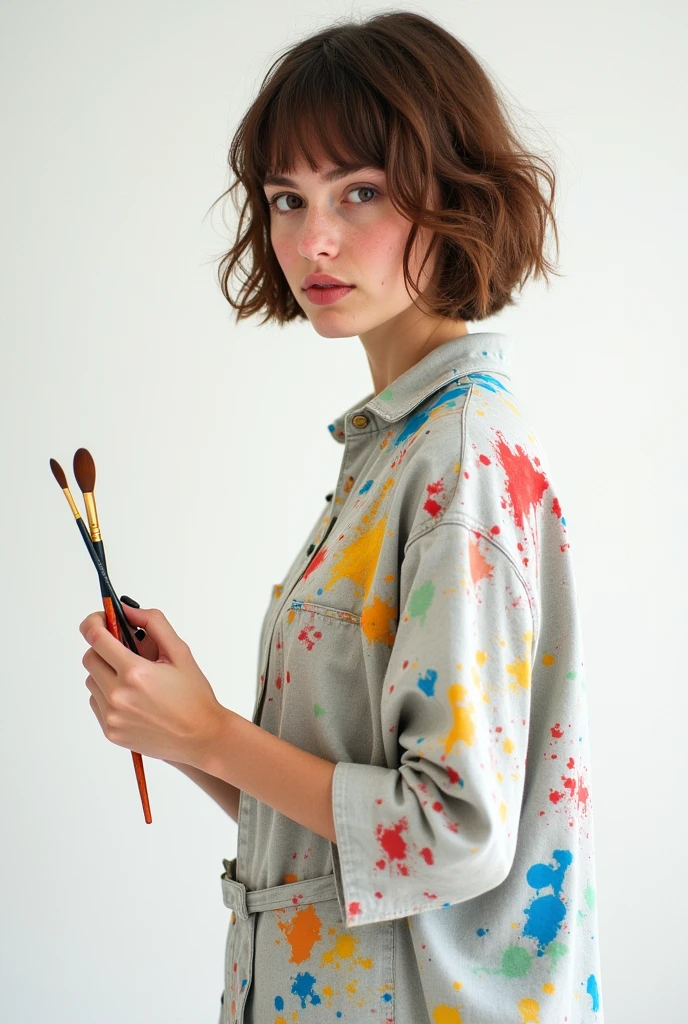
{"points": [[427, 641]]}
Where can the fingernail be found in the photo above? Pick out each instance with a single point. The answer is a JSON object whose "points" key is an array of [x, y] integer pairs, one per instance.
{"points": [[130, 601], [140, 633]]}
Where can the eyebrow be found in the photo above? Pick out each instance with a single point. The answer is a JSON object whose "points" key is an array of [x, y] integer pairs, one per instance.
{"points": [[339, 172]]}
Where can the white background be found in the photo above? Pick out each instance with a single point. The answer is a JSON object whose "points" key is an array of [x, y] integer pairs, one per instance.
{"points": [[213, 459]]}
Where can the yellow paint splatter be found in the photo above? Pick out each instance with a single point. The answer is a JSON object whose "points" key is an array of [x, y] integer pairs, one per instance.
{"points": [[529, 1010], [463, 728], [344, 948], [358, 560], [502, 811], [287, 879], [521, 670], [458, 984], [444, 1014], [508, 745], [548, 659], [549, 988]]}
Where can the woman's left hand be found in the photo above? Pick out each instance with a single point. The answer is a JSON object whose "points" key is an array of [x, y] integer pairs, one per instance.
{"points": [[165, 708]]}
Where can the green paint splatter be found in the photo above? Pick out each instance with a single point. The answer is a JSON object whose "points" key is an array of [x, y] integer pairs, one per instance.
{"points": [[571, 675], [317, 710], [421, 599], [387, 395], [590, 897], [516, 963], [556, 950]]}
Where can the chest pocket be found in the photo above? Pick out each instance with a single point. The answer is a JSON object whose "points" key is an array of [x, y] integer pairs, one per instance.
{"points": [[317, 676]]}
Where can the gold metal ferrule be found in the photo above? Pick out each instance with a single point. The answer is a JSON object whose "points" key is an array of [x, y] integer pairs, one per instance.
{"points": [[90, 503], [72, 504]]}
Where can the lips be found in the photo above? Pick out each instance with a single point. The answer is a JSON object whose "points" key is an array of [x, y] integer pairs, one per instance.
{"points": [[319, 280]]}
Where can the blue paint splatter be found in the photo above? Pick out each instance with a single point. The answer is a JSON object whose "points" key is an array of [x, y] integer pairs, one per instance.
{"points": [[545, 913], [387, 997], [303, 988], [593, 991], [427, 682], [482, 931], [366, 486], [279, 1003], [487, 381]]}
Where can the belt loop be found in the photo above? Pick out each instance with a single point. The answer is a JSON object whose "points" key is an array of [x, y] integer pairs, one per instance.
{"points": [[234, 897]]}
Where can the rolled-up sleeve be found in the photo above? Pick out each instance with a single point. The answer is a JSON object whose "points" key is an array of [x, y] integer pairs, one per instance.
{"points": [[441, 827]]}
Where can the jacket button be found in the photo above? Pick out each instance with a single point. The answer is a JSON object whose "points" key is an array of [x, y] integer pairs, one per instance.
{"points": [[360, 421]]}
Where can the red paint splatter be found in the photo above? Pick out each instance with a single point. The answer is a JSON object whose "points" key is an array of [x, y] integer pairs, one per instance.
{"points": [[426, 853], [379, 895], [485, 461], [380, 864], [437, 487], [525, 485], [430, 895], [556, 508], [355, 909], [391, 841], [570, 763], [278, 682], [437, 806], [555, 796], [432, 507], [313, 565], [454, 776], [305, 635], [557, 731]]}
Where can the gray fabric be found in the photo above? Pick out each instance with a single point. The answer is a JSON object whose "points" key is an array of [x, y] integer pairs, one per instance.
{"points": [[430, 647]]}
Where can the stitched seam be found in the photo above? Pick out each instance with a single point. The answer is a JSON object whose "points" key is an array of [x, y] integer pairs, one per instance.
{"points": [[458, 519], [320, 609]]}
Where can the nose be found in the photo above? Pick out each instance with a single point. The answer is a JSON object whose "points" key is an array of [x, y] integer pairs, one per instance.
{"points": [[319, 233]]}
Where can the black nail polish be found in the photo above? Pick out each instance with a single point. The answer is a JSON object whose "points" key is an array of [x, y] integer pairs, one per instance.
{"points": [[140, 633], [130, 601]]}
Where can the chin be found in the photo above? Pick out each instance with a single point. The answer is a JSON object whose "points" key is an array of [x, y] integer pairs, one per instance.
{"points": [[332, 331]]}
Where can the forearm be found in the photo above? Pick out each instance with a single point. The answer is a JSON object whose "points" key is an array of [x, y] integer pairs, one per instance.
{"points": [[224, 794], [294, 782]]}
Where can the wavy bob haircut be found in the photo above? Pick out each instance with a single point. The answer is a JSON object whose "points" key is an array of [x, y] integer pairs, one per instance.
{"points": [[398, 92]]}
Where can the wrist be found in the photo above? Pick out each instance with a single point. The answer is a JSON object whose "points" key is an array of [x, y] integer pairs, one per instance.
{"points": [[215, 741]]}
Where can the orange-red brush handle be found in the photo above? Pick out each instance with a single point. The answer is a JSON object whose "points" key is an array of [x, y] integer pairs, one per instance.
{"points": [[113, 627]]}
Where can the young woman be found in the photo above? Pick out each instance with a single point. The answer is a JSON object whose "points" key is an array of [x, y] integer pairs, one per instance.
{"points": [[413, 793]]}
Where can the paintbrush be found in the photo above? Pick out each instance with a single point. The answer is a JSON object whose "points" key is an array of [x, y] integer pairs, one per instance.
{"points": [[84, 470]]}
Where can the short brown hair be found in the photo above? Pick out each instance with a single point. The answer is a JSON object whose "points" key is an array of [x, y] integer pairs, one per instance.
{"points": [[399, 92]]}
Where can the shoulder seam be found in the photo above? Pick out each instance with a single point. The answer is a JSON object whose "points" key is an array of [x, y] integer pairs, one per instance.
{"points": [[461, 519]]}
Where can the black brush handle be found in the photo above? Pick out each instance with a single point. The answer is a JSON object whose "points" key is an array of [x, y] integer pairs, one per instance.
{"points": [[106, 588]]}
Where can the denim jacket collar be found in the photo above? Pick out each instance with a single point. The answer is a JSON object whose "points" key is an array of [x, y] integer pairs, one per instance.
{"points": [[475, 352]]}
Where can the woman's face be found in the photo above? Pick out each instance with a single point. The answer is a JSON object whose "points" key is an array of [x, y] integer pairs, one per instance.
{"points": [[348, 228]]}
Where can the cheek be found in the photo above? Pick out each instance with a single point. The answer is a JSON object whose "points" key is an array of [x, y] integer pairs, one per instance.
{"points": [[380, 249], [285, 250]]}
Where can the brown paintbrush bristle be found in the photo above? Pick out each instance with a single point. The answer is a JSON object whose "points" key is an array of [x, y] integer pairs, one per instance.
{"points": [[84, 470], [58, 473]]}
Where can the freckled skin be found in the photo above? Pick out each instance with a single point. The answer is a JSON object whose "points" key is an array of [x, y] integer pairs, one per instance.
{"points": [[359, 237]]}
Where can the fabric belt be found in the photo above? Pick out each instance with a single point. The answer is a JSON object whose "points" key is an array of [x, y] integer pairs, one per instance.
{"points": [[245, 904]]}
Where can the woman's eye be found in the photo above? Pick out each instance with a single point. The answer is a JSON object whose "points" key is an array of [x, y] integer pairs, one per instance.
{"points": [[272, 203]]}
